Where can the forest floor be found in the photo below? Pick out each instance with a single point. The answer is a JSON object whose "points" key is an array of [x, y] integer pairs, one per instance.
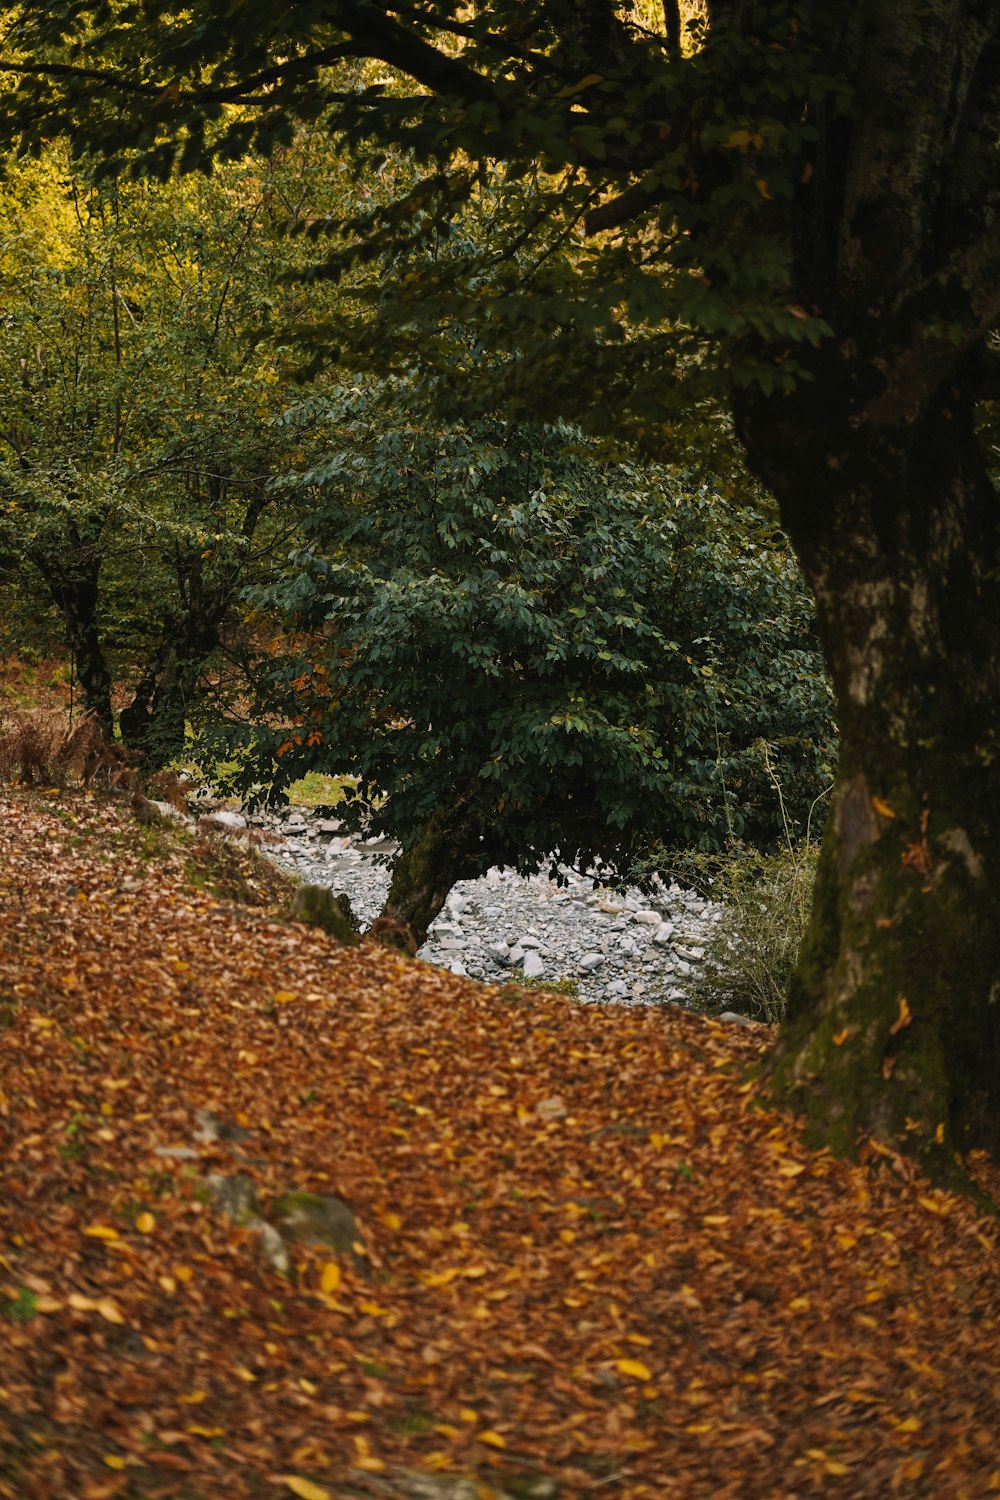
{"points": [[587, 1261]]}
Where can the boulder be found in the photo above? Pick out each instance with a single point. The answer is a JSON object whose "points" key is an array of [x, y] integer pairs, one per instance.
{"points": [[321, 1220], [317, 906]]}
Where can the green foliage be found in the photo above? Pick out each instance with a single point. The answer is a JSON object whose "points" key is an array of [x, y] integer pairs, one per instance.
{"points": [[549, 123], [752, 953], [581, 654], [140, 391]]}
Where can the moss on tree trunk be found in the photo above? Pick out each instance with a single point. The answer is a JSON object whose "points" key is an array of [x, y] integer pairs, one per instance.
{"points": [[893, 1024], [447, 851]]}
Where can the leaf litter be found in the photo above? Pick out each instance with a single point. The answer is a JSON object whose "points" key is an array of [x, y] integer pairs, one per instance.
{"points": [[592, 1263]]}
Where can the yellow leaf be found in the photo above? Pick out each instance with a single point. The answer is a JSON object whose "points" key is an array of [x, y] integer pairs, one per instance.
{"points": [[79, 1303], [468, 1415], [168, 1284], [441, 1278], [285, 997], [207, 1432], [790, 1168], [101, 1232], [882, 808], [932, 1207], [183, 1273], [842, 1036], [47, 1304], [329, 1277], [799, 1304], [194, 1398], [307, 1386], [909, 1424], [762, 188], [739, 140], [846, 1241], [633, 1367], [903, 1019], [392, 1221], [638, 1338], [304, 1488], [244, 1373], [493, 1438], [446, 1430], [834, 1466], [108, 1310], [113, 1461], [145, 1223]]}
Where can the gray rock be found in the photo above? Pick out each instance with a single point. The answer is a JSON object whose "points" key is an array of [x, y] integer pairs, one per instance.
{"points": [[225, 821], [233, 1196], [664, 934], [533, 966], [737, 1020], [590, 961], [515, 956], [270, 1246], [616, 989], [322, 1220], [647, 918], [530, 942], [499, 952]]}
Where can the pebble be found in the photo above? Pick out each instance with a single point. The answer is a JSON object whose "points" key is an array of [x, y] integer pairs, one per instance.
{"points": [[627, 947]]}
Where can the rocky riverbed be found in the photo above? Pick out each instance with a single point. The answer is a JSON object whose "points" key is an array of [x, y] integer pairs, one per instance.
{"points": [[626, 947]]}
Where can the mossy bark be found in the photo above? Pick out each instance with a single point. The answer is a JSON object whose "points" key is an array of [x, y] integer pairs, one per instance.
{"points": [[893, 1023], [448, 850]]}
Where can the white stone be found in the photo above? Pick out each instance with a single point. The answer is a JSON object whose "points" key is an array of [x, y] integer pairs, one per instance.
{"points": [[647, 918], [664, 934], [458, 968], [591, 961], [516, 955], [223, 819], [533, 966]]}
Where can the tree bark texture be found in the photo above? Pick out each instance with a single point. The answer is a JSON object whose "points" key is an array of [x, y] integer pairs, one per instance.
{"points": [[893, 1024], [422, 876]]}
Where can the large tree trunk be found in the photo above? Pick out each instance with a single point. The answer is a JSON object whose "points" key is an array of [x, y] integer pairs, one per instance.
{"points": [[893, 1023]]}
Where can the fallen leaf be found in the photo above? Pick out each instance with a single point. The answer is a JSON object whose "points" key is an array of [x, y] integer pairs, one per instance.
{"points": [[304, 1488]]}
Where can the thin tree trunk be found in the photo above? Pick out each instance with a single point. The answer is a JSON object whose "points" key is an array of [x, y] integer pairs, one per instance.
{"points": [[893, 1024], [424, 874]]}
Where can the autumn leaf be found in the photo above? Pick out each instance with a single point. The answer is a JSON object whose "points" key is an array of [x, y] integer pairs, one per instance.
{"points": [[330, 1277], [145, 1223], [633, 1368], [304, 1488], [903, 1018]]}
